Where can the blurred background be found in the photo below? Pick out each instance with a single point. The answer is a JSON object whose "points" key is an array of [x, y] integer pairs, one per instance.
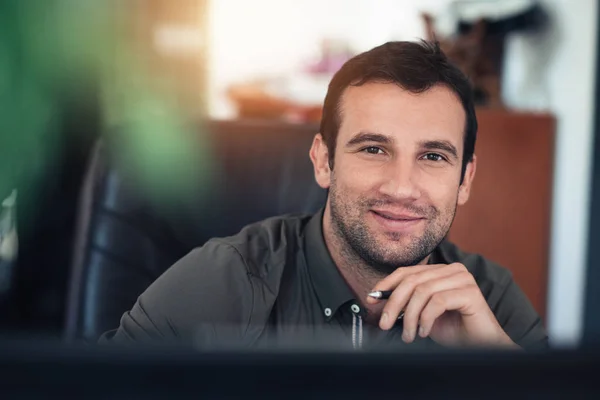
{"points": [[132, 131]]}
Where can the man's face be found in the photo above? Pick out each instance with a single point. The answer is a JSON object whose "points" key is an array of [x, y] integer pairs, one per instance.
{"points": [[395, 184]]}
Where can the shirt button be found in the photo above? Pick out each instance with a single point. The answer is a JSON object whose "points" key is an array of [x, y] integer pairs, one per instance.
{"points": [[355, 309], [328, 312]]}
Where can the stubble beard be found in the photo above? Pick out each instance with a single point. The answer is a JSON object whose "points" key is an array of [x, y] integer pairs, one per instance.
{"points": [[361, 247]]}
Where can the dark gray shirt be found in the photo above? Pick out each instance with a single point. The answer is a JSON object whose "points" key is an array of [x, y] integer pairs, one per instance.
{"points": [[275, 284]]}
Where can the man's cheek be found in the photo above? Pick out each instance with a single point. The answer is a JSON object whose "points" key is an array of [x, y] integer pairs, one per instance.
{"points": [[441, 192], [353, 186]]}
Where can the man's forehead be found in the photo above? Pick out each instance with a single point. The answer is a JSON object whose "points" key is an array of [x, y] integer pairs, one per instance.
{"points": [[388, 109], [389, 95]]}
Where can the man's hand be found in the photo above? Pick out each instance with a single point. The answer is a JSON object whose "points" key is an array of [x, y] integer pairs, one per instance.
{"points": [[443, 302]]}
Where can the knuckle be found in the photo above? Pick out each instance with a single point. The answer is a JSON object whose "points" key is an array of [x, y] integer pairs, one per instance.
{"points": [[438, 300], [422, 290], [426, 316], [459, 266], [474, 290], [398, 273], [411, 280], [467, 276]]}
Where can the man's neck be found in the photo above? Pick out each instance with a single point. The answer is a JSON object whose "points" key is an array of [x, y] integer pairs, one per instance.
{"points": [[358, 275]]}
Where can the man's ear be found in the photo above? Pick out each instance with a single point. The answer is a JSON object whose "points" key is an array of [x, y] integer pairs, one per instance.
{"points": [[465, 188], [319, 155]]}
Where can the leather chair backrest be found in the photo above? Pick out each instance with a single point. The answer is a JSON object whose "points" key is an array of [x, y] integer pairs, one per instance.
{"points": [[125, 241]]}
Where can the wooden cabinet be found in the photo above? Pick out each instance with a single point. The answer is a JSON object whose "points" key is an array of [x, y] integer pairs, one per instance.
{"points": [[507, 218]]}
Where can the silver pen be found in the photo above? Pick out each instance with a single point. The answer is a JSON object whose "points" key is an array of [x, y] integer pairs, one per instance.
{"points": [[384, 295]]}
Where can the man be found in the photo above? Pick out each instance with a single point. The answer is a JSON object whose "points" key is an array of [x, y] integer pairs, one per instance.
{"points": [[395, 152]]}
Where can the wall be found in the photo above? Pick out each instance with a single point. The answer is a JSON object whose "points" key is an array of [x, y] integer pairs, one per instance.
{"points": [[556, 70], [571, 82], [277, 36], [248, 38]]}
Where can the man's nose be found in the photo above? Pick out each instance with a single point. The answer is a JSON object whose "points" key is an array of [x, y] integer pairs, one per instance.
{"points": [[400, 180]]}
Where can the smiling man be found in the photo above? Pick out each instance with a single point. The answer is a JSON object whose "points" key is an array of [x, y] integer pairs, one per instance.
{"points": [[396, 152]]}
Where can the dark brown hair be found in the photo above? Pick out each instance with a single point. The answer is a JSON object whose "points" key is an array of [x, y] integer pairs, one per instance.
{"points": [[414, 66]]}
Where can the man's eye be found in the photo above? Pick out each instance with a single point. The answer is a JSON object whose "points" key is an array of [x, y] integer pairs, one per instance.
{"points": [[433, 157], [373, 150]]}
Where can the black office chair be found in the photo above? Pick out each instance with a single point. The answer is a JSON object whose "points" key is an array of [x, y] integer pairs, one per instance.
{"points": [[126, 239]]}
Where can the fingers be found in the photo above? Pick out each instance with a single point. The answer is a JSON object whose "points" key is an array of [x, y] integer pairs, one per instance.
{"points": [[405, 289], [423, 295], [426, 292], [393, 280], [438, 304]]}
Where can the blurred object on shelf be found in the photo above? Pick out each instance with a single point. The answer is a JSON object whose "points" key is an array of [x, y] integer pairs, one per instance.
{"points": [[477, 44], [294, 98], [466, 50], [333, 54], [307, 114], [253, 101]]}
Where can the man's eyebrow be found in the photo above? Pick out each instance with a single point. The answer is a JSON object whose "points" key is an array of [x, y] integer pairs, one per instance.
{"points": [[363, 137], [441, 145]]}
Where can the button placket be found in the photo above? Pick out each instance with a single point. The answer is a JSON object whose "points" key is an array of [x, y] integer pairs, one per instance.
{"points": [[357, 328]]}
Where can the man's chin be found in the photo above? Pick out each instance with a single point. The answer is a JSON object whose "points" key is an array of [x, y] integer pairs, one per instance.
{"points": [[396, 241], [386, 266], [397, 252]]}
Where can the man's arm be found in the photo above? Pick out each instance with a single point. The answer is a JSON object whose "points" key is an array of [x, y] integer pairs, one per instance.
{"points": [[519, 319], [207, 295]]}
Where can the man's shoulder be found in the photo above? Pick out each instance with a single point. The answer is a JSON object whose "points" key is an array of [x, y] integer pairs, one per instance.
{"points": [[266, 244], [232, 283], [484, 270]]}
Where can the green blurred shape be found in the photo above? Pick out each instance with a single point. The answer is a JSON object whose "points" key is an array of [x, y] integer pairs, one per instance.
{"points": [[49, 46]]}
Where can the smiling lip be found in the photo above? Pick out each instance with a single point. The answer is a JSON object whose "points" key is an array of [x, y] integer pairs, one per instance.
{"points": [[396, 221], [397, 216]]}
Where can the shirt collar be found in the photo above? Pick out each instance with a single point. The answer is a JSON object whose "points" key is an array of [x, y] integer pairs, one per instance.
{"points": [[331, 289]]}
